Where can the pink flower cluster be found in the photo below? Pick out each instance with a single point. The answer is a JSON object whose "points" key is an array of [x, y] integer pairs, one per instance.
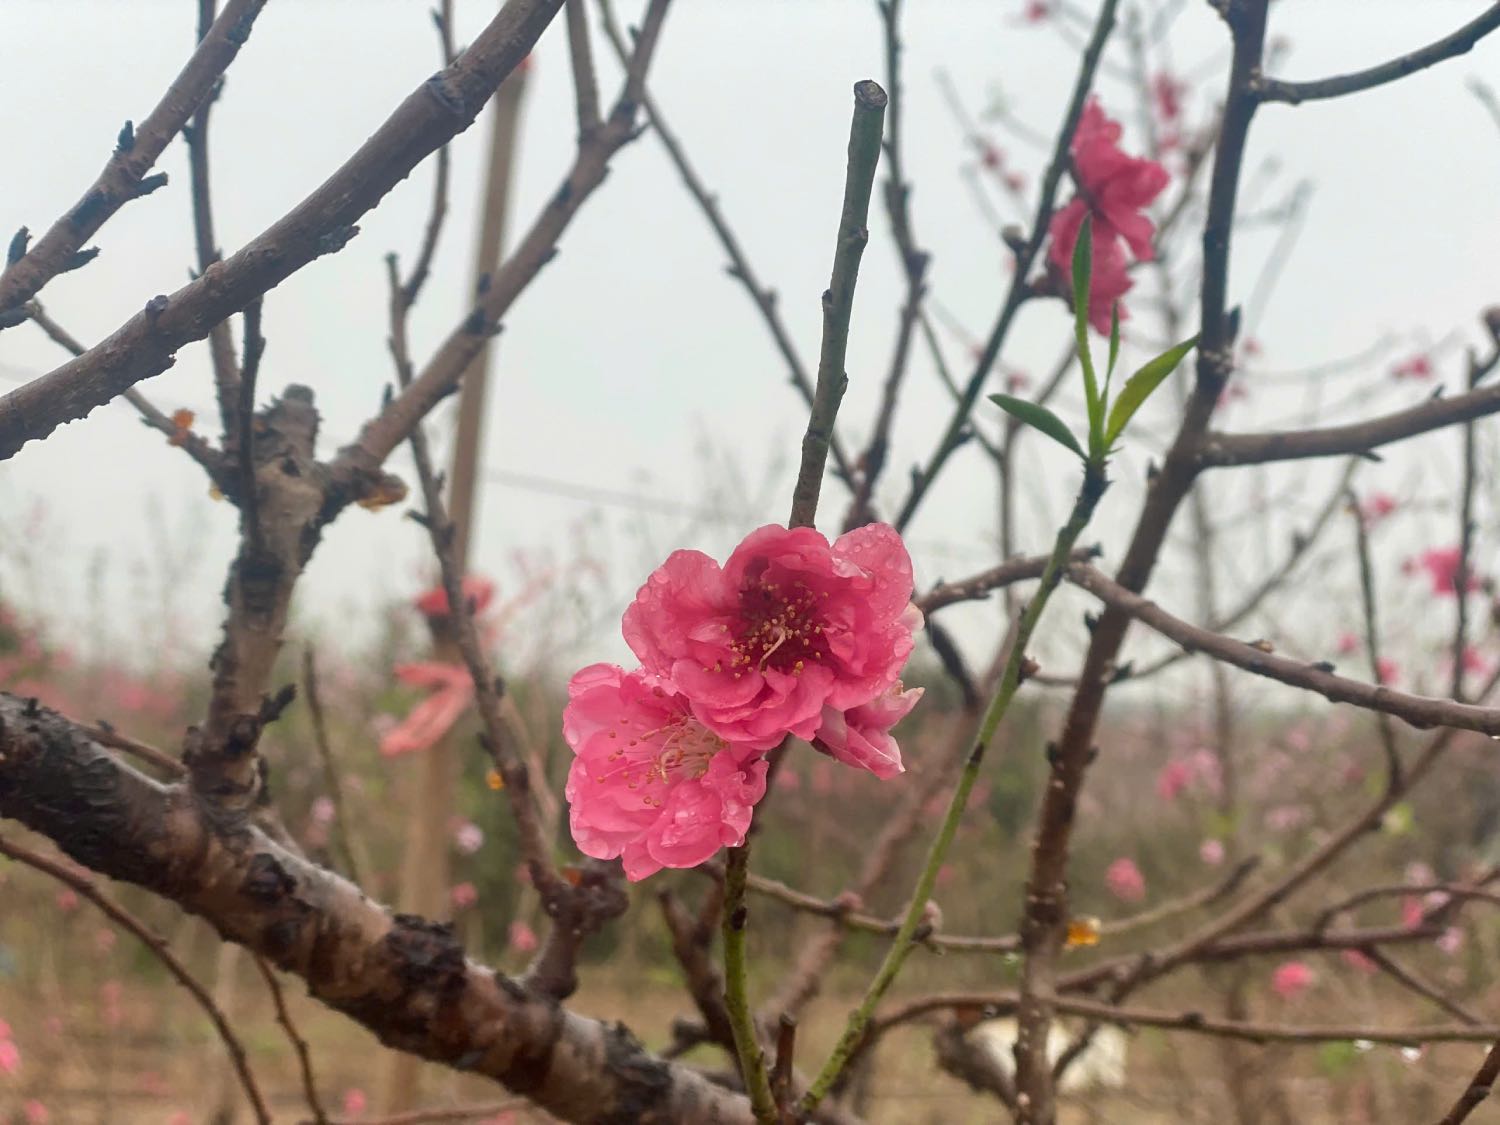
{"points": [[791, 636], [1113, 191]]}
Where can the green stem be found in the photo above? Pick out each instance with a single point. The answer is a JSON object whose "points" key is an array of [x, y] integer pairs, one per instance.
{"points": [[1092, 489], [838, 306], [736, 993]]}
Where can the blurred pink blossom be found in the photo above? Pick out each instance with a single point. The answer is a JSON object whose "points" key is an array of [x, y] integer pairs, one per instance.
{"points": [[1441, 565], [67, 900], [36, 1113], [1125, 881], [1348, 643], [10, 1057], [181, 1117], [463, 896], [1291, 979], [1113, 191], [1417, 367], [1376, 507], [1451, 940], [1173, 779], [1387, 671], [452, 692], [355, 1102], [1359, 962], [478, 590], [1211, 852], [468, 837], [323, 810], [522, 937], [1285, 818]]}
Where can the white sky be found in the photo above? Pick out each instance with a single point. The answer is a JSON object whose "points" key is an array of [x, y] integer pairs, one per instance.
{"points": [[633, 351]]}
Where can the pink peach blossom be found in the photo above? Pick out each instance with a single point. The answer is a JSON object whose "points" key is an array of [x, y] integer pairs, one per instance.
{"points": [[1348, 644], [355, 1102], [10, 1057], [432, 718], [1450, 941], [1125, 881], [1174, 777], [522, 937], [861, 736], [1114, 190], [1442, 565], [463, 896], [36, 1113], [1416, 367], [1211, 852], [468, 838], [67, 900], [1387, 671], [650, 783], [1359, 962], [1291, 979], [789, 627], [478, 590], [1376, 507], [1166, 97]]}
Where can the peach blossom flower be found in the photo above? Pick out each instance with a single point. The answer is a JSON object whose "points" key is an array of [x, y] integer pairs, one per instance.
{"points": [[463, 896], [650, 783], [1291, 979], [522, 937], [452, 692], [478, 590], [1125, 881], [1114, 190], [789, 628]]}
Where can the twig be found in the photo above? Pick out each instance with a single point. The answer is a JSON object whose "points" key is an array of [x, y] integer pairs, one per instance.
{"points": [[585, 83], [244, 418], [1368, 604], [220, 344], [1450, 46], [838, 298], [1026, 256], [299, 1044], [1479, 1089], [332, 782], [163, 953], [322, 223], [124, 176], [1419, 711], [108, 736], [979, 586]]}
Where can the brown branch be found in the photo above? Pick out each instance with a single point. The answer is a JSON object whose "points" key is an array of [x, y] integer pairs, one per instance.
{"points": [[1450, 46], [299, 1044], [220, 344], [124, 176], [106, 735], [1219, 449], [1419, 711], [1413, 983], [405, 979], [322, 223], [692, 939], [195, 446], [1043, 927], [152, 941], [333, 784], [1368, 605], [979, 586], [585, 83], [480, 1110], [1479, 1089]]}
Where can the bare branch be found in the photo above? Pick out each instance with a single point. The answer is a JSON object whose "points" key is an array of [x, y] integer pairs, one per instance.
{"points": [[1450, 46], [322, 223], [124, 176]]}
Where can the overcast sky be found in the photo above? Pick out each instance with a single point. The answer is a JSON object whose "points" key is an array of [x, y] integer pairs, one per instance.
{"points": [[633, 353]]}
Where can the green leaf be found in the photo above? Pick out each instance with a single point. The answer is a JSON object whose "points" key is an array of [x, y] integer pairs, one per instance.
{"points": [[1040, 418], [1083, 268], [1139, 387], [1114, 343]]}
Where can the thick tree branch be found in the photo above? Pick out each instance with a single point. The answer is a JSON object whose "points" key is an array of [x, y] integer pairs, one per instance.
{"points": [[405, 979]]}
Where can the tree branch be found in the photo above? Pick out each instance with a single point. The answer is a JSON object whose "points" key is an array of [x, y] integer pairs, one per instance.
{"points": [[146, 345]]}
